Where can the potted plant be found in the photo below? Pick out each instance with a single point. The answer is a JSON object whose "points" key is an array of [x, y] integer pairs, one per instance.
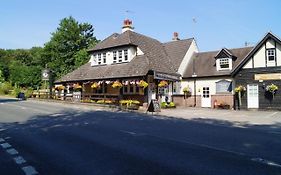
{"points": [[95, 85], [143, 84], [240, 91], [272, 88], [163, 83], [77, 87], [117, 84]]}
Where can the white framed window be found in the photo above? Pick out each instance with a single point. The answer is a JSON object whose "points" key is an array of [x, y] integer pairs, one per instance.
{"points": [[120, 56], [114, 57], [104, 57], [224, 63], [125, 55], [99, 58], [270, 53]]}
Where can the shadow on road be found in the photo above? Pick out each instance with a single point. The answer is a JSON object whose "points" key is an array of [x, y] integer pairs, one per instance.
{"points": [[222, 135], [8, 100]]}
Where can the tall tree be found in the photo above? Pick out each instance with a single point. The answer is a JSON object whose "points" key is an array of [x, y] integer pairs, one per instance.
{"points": [[66, 49]]}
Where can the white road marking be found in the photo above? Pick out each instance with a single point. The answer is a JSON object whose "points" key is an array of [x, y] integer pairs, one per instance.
{"points": [[2, 130], [2, 140], [19, 160], [12, 151], [5, 145], [267, 162], [56, 115], [7, 137], [1, 103], [29, 170], [128, 132]]}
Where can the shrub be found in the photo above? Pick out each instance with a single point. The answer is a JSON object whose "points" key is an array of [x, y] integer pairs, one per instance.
{"points": [[5, 88]]}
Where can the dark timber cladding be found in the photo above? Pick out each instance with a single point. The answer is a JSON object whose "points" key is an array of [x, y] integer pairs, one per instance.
{"points": [[266, 101]]}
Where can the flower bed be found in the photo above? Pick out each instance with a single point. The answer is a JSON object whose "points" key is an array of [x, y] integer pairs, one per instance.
{"points": [[168, 105], [129, 104]]}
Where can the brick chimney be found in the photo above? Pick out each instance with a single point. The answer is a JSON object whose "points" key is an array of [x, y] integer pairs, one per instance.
{"points": [[175, 36], [127, 25]]}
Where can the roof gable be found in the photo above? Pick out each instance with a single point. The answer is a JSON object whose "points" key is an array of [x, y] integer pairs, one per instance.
{"points": [[269, 35], [224, 53], [204, 63]]}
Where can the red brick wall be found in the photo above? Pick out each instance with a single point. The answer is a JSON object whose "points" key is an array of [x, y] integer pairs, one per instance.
{"points": [[223, 98], [188, 102]]}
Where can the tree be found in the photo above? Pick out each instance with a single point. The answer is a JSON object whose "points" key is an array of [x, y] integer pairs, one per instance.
{"points": [[67, 48]]}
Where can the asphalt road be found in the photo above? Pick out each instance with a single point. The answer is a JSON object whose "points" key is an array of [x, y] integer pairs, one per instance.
{"points": [[55, 139]]}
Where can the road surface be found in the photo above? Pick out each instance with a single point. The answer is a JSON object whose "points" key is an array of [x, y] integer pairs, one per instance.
{"points": [[55, 138]]}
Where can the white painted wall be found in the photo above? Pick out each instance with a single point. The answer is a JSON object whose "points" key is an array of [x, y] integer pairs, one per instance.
{"points": [[270, 44], [249, 64], [260, 56], [206, 82], [278, 54], [187, 58]]}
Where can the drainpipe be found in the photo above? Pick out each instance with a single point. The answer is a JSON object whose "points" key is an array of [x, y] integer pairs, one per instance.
{"points": [[194, 76]]}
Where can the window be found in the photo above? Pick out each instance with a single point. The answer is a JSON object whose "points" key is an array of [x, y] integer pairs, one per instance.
{"points": [[99, 58], [223, 86], [104, 57], [120, 56], [131, 88], [137, 89], [270, 54], [114, 57], [126, 55], [206, 92], [224, 63]]}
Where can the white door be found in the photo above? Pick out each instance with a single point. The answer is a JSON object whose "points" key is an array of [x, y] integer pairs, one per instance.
{"points": [[206, 99], [253, 96]]}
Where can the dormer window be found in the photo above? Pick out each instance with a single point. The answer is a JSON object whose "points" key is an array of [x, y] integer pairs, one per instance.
{"points": [[270, 53], [224, 63]]}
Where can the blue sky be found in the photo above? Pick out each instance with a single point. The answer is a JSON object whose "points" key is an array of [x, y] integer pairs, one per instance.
{"points": [[220, 23]]}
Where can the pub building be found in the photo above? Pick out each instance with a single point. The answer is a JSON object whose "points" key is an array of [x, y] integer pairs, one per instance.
{"points": [[259, 76], [120, 66]]}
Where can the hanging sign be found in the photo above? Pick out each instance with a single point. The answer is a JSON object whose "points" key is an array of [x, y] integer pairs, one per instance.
{"points": [[46, 74], [165, 76]]}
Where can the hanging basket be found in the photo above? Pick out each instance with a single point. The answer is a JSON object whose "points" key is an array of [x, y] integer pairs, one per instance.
{"points": [[163, 83], [143, 84], [95, 85], [117, 84]]}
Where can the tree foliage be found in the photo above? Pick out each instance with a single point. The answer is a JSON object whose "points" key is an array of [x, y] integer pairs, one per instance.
{"points": [[66, 50]]}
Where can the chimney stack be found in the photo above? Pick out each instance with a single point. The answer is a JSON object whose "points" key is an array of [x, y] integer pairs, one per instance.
{"points": [[176, 36], [127, 25]]}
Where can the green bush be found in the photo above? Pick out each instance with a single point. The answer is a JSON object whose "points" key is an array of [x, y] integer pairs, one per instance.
{"points": [[172, 105], [16, 91], [5, 88], [164, 105]]}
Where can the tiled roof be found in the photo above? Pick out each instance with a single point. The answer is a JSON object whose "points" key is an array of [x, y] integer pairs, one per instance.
{"points": [[155, 58], [177, 50], [204, 63]]}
